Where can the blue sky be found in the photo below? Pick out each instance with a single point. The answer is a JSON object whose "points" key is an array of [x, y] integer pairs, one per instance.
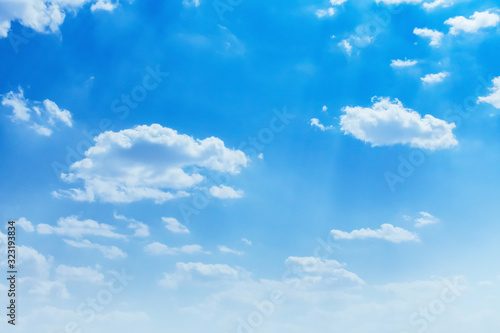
{"points": [[242, 166]]}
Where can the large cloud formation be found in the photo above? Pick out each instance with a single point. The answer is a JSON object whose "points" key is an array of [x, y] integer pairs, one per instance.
{"points": [[389, 122], [147, 162], [43, 15]]}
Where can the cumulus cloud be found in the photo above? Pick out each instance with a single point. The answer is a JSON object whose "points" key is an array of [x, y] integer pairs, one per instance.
{"points": [[494, 97], [425, 219], [40, 116], [225, 192], [106, 5], [110, 252], [386, 232], [225, 249], [198, 272], [346, 45], [25, 224], [174, 226], [147, 162], [157, 248], [434, 78], [403, 63], [72, 227], [472, 24], [140, 229], [315, 123], [389, 122], [325, 12], [434, 35], [44, 16]]}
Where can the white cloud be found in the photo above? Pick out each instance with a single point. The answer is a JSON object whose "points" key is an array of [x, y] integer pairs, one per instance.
{"points": [[81, 274], [246, 241], [403, 63], [174, 226], [325, 12], [346, 45], [389, 122], [147, 162], [337, 2], [225, 249], [191, 3], [437, 3], [157, 248], [25, 224], [386, 232], [72, 227], [315, 123], [324, 109], [110, 252], [425, 219], [494, 97], [317, 270], [198, 271], [475, 22], [43, 16], [427, 5], [225, 192], [434, 78], [140, 229], [434, 35], [33, 262], [47, 287], [106, 5], [40, 116]]}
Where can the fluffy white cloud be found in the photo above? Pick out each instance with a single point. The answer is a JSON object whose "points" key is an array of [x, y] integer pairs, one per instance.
{"points": [[140, 229], [389, 122], [198, 271], [147, 162], [315, 123], [45, 16], [225, 249], [403, 63], [40, 116], [494, 97], [81, 274], [110, 252], [346, 45], [425, 219], [106, 5], [72, 227], [225, 192], [157, 248], [337, 2], [434, 78], [386, 232], [33, 263], [321, 270], [434, 35], [174, 226], [25, 224], [472, 24]]}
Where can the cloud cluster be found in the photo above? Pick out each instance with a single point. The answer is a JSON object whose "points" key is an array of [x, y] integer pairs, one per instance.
{"points": [[44, 16], [494, 97], [386, 232], [474, 23], [147, 162], [389, 122], [40, 116]]}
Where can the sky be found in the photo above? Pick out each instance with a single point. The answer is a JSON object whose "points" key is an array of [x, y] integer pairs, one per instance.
{"points": [[246, 166]]}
